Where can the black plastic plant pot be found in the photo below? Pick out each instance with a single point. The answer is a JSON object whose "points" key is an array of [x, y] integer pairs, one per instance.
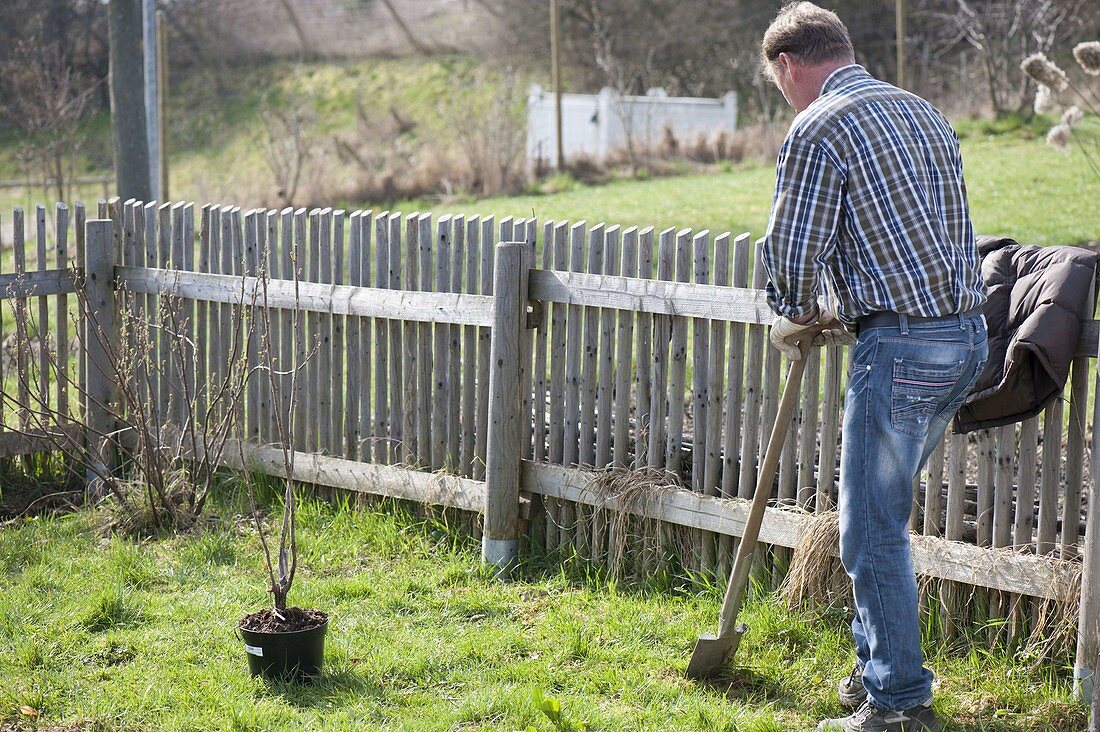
{"points": [[295, 655]]}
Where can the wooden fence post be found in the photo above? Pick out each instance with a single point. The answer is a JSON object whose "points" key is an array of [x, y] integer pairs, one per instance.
{"points": [[507, 423], [1088, 621], [100, 336]]}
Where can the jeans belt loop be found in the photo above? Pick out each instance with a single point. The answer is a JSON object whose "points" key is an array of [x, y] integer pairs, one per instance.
{"points": [[903, 323]]}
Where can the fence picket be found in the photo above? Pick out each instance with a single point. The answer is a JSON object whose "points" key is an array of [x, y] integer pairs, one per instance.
{"points": [[22, 345], [165, 364], [79, 219], [252, 333], [750, 430], [807, 436], [61, 256], [43, 328], [643, 357], [337, 342], [933, 493], [662, 335], [1024, 525], [542, 431], [469, 352], [454, 415], [700, 334], [983, 511], [300, 404], [712, 468], [357, 358], [441, 368], [425, 362], [1075, 456], [574, 333], [830, 432], [735, 382], [678, 363], [384, 350], [624, 342], [590, 364], [409, 379], [324, 337], [606, 381], [483, 334], [1005, 448]]}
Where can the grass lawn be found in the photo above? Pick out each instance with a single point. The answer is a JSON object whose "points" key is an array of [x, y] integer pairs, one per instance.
{"points": [[1017, 187], [108, 633]]}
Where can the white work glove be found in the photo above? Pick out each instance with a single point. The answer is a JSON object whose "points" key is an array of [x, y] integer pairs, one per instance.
{"points": [[833, 332], [826, 330]]}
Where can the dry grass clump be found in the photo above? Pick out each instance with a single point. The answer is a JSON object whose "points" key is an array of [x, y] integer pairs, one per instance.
{"points": [[637, 543], [1045, 629], [816, 578]]}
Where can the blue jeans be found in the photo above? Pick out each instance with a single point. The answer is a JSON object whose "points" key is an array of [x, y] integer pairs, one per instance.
{"points": [[906, 383]]}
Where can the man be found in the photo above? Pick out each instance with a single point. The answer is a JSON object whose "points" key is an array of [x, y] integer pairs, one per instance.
{"points": [[870, 212]]}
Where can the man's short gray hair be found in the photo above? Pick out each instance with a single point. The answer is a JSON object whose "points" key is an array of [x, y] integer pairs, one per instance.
{"points": [[810, 34]]}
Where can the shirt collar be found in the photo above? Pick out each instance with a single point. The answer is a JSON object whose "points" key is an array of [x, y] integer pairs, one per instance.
{"points": [[843, 75]]}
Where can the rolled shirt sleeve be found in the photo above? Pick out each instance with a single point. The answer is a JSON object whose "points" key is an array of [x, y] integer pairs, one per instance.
{"points": [[802, 230]]}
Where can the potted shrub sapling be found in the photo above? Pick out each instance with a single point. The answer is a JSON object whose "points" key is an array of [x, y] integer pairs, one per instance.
{"points": [[281, 642]]}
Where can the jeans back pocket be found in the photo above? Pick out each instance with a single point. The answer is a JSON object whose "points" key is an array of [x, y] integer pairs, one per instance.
{"points": [[919, 390]]}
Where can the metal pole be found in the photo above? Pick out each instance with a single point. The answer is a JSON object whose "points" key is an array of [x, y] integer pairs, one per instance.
{"points": [[127, 100], [162, 102], [899, 13], [555, 78], [152, 107]]}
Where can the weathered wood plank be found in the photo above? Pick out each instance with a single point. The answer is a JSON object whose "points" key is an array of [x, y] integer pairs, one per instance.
{"points": [[683, 299], [423, 307], [933, 557], [66, 437]]}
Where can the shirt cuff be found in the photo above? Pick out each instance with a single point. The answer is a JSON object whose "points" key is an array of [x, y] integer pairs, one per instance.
{"points": [[786, 307]]}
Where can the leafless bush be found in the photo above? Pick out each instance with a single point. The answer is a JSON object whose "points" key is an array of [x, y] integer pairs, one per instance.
{"points": [[490, 129], [170, 430], [45, 97], [382, 150], [285, 144]]}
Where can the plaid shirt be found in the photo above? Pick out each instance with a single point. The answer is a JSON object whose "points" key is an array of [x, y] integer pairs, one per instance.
{"points": [[870, 195]]}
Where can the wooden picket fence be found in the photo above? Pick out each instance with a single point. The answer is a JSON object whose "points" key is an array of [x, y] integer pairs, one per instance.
{"points": [[555, 379]]}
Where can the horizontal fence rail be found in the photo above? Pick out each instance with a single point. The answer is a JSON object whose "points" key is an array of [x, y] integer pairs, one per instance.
{"points": [[637, 388]]}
